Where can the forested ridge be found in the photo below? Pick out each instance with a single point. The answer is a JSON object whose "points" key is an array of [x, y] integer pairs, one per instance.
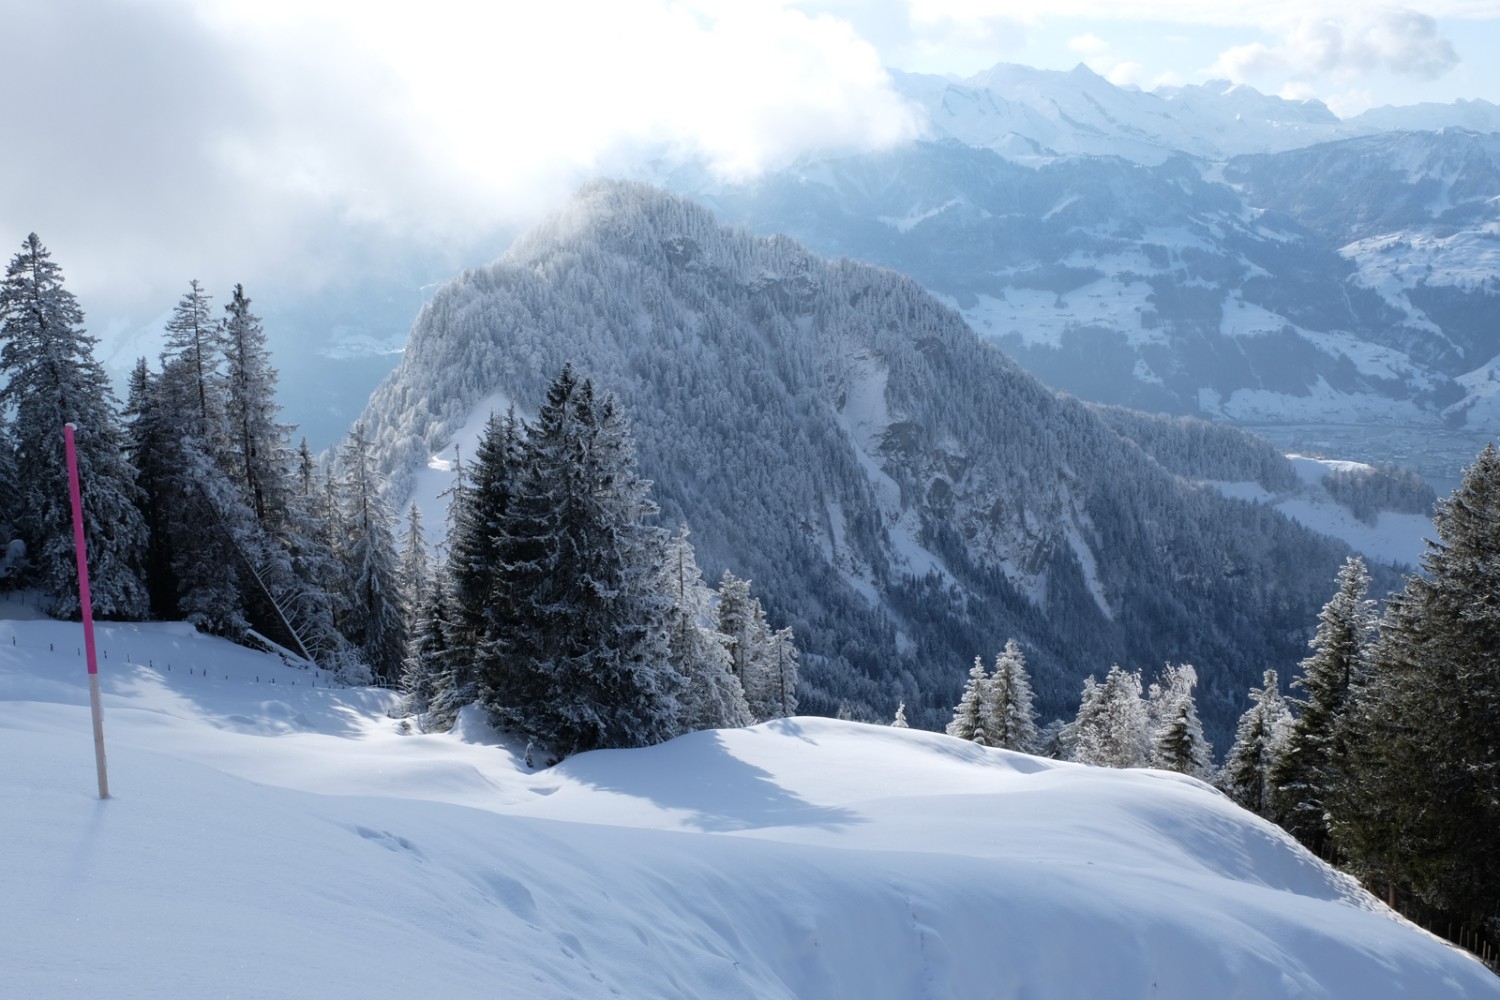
{"points": [[903, 493]]}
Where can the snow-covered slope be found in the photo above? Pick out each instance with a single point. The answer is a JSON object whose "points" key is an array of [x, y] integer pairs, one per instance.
{"points": [[270, 838]]}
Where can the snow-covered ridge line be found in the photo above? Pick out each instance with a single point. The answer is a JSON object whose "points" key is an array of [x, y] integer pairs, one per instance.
{"points": [[808, 858]]}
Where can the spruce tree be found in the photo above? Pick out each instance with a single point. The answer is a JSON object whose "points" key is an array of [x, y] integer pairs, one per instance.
{"points": [[899, 722], [375, 621], [1259, 740], [969, 714], [712, 697], [1111, 729], [259, 449], [1307, 769], [193, 339], [478, 508], [1010, 719], [577, 651], [1177, 740], [1421, 802], [50, 379]]}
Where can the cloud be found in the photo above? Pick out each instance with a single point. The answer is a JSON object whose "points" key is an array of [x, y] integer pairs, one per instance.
{"points": [[166, 139], [1088, 45], [1399, 41]]}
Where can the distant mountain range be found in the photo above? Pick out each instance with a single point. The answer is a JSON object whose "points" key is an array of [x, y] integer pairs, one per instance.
{"points": [[899, 491], [1207, 251]]}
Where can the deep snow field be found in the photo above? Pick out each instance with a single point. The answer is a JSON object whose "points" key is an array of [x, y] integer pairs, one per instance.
{"points": [[268, 836]]}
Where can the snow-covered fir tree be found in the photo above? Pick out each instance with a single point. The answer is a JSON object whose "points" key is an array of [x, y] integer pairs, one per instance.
{"points": [[1010, 719], [1259, 740], [374, 620], [416, 568], [193, 339], [1421, 802], [50, 379], [712, 697], [765, 661], [1111, 729], [1307, 769], [577, 650], [969, 715], [899, 722], [427, 669], [1178, 743], [479, 504], [258, 447]]}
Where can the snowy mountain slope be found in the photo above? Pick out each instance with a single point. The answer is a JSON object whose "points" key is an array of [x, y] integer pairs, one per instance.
{"points": [[1350, 283], [290, 841], [1032, 115], [899, 492]]}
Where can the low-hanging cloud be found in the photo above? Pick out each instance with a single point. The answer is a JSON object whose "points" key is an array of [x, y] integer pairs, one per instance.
{"points": [[169, 139], [1400, 41]]}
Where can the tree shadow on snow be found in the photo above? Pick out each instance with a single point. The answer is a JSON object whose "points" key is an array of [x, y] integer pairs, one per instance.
{"points": [[698, 775]]}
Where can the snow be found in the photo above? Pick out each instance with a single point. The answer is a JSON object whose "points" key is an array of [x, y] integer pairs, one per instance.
{"points": [[430, 482], [271, 838], [1394, 539]]}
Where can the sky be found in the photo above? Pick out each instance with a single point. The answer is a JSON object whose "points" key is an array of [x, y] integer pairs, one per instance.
{"points": [[249, 140]]}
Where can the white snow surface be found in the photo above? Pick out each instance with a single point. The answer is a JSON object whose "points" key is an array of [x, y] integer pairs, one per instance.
{"points": [[1391, 538], [285, 840]]}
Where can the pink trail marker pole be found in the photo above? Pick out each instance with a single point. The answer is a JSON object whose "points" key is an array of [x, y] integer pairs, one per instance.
{"points": [[87, 604]]}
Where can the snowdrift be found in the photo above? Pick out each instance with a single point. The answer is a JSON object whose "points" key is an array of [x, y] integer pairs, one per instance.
{"points": [[272, 836]]}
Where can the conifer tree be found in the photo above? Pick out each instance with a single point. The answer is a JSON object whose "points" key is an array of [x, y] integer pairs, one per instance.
{"points": [[576, 653], [1259, 740], [416, 571], [50, 379], [1307, 769], [478, 508], [1111, 728], [969, 714], [1177, 739], [712, 697], [1010, 719], [900, 721], [427, 667], [193, 339], [1421, 802], [374, 620], [258, 445]]}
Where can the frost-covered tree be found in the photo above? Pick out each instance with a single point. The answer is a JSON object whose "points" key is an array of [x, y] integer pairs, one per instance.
{"points": [[50, 379], [258, 450], [193, 340], [899, 722], [374, 620], [1259, 740], [1178, 743], [416, 569], [478, 507], [779, 683], [1010, 719], [712, 696], [577, 651], [969, 714], [1111, 729], [1307, 769], [1421, 803]]}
